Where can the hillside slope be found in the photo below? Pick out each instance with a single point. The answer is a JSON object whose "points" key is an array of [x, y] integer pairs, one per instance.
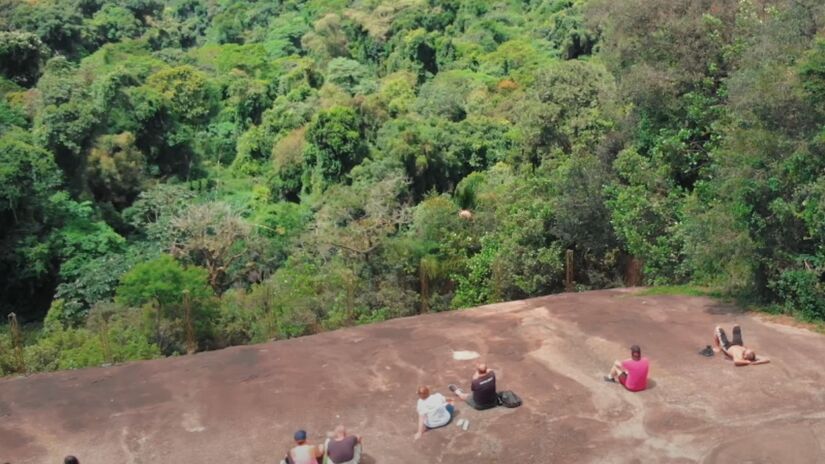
{"points": [[241, 405]]}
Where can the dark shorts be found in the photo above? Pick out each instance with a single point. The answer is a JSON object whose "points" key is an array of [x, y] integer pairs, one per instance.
{"points": [[723, 337]]}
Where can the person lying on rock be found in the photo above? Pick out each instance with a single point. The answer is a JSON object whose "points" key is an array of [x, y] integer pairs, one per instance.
{"points": [[303, 452], [483, 388], [631, 373], [433, 410], [343, 448], [736, 349]]}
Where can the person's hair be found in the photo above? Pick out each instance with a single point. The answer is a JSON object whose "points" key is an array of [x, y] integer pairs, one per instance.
{"points": [[70, 460], [749, 355], [423, 392], [300, 436], [635, 351]]}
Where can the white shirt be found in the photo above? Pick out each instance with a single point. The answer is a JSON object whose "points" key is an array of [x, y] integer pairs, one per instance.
{"points": [[434, 410]]}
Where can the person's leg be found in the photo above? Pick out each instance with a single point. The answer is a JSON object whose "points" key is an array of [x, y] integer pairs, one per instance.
{"points": [[450, 409], [459, 392], [737, 336], [721, 339], [623, 379], [471, 402], [615, 371]]}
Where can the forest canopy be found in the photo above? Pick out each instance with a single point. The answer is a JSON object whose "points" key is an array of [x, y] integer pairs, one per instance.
{"points": [[183, 175]]}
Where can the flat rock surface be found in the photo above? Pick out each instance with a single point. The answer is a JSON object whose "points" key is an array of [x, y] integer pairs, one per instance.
{"points": [[241, 405]]}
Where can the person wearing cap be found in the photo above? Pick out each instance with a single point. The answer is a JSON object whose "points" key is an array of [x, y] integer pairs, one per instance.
{"points": [[303, 452], [631, 373]]}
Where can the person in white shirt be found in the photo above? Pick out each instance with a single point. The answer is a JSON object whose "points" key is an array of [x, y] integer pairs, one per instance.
{"points": [[433, 410]]}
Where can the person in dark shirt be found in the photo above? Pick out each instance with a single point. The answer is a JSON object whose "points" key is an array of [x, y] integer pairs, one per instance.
{"points": [[343, 448], [483, 388]]}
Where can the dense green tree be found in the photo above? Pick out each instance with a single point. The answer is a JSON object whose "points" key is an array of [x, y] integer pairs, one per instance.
{"points": [[28, 176], [165, 288], [116, 169], [113, 23], [334, 147], [22, 54], [350, 75]]}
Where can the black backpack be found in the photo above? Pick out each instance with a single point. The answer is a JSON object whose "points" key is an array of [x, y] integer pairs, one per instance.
{"points": [[509, 399]]}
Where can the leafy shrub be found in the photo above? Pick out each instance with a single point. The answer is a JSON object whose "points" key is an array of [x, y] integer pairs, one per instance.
{"points": [[802, 292]]}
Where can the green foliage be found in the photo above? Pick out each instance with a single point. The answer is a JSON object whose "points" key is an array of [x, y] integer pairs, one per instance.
{"points": [[21, 56], [812, 71], [334, 146], [453, 94], [162, 282], [478, 285], [116, 169], [95, 280], [82, 238], [678, 290], [28, 176], [113, 23], [163, 288], [802, 291], [186, 92], [9, 117], [315, 164], [350, 75]]}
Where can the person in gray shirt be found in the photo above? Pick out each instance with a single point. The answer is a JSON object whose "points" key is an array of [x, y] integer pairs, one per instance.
{"points": [[342, 448]]}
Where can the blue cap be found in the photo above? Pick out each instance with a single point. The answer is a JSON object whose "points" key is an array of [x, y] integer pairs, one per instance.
{"points": [[301, 435]]}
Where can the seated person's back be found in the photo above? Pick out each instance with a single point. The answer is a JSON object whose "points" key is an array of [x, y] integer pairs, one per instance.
{"points": [[637, 369], [342, 447], [484, 388], [303, 452]]}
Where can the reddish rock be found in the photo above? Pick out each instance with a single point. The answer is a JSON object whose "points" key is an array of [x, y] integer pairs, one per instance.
{"points": [[242, 404]]}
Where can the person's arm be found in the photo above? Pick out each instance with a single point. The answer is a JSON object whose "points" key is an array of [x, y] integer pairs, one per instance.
{"points": [[421, 427], [761, 361], [360, 439], [741, 362], [319, 450]]}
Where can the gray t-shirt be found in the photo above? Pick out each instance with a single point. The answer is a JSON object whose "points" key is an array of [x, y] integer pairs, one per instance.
{"points": [[343, 450]]}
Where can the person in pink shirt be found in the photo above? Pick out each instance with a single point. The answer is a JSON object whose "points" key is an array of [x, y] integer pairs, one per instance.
{"points": [[631, 373]]}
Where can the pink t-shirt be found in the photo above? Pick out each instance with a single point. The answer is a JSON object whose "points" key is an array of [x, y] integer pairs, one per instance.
{"points": [[636, 374]]}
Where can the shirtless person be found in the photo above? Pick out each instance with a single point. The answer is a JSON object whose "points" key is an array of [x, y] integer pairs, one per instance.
{"points": [[736, 350], [483, 389]]}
